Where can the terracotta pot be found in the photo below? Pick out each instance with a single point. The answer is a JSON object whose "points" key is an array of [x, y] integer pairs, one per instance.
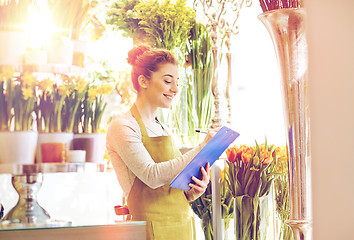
{"points": [[53, 138]]}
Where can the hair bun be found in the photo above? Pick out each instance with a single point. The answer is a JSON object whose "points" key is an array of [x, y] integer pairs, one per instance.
{"points": [[135, 53]]}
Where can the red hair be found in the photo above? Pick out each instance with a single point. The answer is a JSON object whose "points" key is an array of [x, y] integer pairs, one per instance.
{"points": [[145, 60]]}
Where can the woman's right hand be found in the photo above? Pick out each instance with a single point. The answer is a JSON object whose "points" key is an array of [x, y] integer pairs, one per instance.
{"points": [[211, 133]]}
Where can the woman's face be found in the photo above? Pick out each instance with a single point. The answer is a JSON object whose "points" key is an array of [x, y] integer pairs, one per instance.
{"points": [[163, 85]]}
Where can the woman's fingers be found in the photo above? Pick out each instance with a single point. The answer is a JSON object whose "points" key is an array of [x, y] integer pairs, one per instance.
{"points": [[211, 133], [201, 185]]}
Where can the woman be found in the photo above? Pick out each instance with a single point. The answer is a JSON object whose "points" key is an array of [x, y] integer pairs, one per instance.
{"points": [[144, 156]]}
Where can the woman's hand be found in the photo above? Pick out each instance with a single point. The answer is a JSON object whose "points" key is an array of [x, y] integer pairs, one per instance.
{"points": [[211, 133], [199, 186]]}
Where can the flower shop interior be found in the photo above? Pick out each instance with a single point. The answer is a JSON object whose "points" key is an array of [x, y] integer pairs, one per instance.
{"points": [[278, 72]]}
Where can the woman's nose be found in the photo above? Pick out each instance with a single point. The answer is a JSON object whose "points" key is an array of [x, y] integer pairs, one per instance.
{"points": [[175, 88]]}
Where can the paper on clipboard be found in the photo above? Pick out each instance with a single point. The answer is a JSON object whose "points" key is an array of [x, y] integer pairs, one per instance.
{"points": [[210, 153]]}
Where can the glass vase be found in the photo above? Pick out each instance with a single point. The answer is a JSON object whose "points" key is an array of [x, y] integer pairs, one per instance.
{"points": [[251, 217], [287, 30]]}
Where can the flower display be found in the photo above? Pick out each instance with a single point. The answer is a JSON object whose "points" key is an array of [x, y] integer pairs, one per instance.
{"points": [[6, 76], [164, 24], [50, 105], [202, 207], [58, 102], [250, 173], [17, 100], [77, 86], [93, 106]]}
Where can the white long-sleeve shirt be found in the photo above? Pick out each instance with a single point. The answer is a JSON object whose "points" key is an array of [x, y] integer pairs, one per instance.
{"points": [[130, 158]]}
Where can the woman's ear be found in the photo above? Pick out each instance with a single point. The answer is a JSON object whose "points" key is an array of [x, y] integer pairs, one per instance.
{"points": [[143, 82]]}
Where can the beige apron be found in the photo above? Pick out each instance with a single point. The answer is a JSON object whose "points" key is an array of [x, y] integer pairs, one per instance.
{"points": [[165, 209]]}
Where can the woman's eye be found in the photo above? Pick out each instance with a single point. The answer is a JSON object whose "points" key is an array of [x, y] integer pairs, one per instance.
{"points": [[167, 81]]}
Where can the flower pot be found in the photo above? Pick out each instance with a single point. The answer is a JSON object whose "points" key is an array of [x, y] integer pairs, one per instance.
{"points": [[59, 138], [35, 57], [60, 51], [12, 47], [93, 143], [79, 53], [18, 147], [252, 217]]}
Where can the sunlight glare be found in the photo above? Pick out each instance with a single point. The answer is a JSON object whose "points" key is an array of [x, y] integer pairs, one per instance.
{"points": [[39, 28]]}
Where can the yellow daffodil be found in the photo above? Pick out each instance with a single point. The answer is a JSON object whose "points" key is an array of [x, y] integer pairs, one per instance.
{"points": [[106, 89], [92, 92], [6, 73], [45, 84], [81, 85], [28, 80], [27, 93], [62, 90]]}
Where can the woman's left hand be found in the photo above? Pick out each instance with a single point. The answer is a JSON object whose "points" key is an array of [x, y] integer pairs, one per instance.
{"points": [[200, 186]]}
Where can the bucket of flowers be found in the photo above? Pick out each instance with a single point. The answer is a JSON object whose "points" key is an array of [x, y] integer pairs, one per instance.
{"points": [[250, 174], [17, 104]]}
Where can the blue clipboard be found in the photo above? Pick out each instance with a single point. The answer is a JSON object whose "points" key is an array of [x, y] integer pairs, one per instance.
{"points": [[210, 153]]}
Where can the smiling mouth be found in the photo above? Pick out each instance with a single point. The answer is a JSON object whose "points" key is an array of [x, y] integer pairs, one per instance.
{"points": [[168, 96]]}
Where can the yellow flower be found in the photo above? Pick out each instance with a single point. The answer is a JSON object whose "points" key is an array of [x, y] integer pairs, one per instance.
{"points": [[256, 160], [29, 80], [92, 92], [80, 85], [45, 84], [27, 93], [62, 90], [107, 89], [67, 80], [7, 73]]}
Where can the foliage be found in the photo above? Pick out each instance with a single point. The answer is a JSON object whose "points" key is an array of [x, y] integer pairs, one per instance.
{"points": [[58, 102], [122, 16], [6, 98], [251, 171], [17, 100], [199, 57], [163, 24], [77, 87], [93, 106], [202, 207], [281, 191]]}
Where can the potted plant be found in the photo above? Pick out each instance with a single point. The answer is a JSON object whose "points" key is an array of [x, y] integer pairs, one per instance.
{"points": [[89, 136], [250, 174], [17, 105], [202, 207], [163, 24], [58, 103]]}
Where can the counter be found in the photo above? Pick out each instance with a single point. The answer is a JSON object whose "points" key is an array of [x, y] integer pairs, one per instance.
{"points": [[127, 230]]}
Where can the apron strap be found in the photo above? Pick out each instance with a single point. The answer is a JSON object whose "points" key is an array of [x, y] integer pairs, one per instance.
{"points": [[136, 115]]}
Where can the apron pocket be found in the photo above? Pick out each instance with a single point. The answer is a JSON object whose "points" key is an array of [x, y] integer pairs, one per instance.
{"points": [[171, 230]]}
